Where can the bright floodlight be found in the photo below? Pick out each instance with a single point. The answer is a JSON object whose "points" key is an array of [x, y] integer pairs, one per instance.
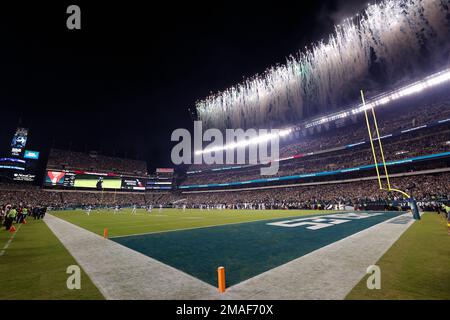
{"points": [[419, 86], [247, 142]]}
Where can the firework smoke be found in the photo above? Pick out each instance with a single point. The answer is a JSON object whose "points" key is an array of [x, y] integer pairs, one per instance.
{"points": [[400, 38]]}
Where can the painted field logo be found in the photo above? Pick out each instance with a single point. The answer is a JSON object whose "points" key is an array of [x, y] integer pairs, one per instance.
{"points": [[316, 223]]}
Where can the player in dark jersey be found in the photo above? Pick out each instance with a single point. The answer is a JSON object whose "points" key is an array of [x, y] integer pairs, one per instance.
{"points": [[100, 183]]}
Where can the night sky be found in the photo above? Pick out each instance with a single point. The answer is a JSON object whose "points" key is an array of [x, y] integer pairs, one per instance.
{"points": [[125, 81]]}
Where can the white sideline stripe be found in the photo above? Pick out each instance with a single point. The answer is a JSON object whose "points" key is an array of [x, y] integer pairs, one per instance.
{"points": [[219, 225], [8, 243]]}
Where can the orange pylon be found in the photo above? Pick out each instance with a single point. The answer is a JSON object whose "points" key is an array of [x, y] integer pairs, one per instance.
{"points": [[221, 276]]}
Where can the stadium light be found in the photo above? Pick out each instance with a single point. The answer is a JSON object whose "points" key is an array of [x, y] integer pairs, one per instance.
{"points": [[416, 87], [247, 142]]}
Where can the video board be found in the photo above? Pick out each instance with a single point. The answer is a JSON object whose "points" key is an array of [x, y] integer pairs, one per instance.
{"points": [[155, 187], [19, 164], [102, 181], [96, 181], [159, 183], [59, 178], [92, 180], [32, 155], [133, 184], [19, 141], [165, 170], [18, 169]]}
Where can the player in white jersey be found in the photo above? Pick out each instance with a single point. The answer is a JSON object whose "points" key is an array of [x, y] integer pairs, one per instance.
{"points": [[116, 209], [184, 208], [160, 208], [149, 209], [88, 210], [133, 211]]}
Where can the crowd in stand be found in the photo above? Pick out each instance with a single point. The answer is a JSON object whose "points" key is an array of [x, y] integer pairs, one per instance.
{"points": [[424, 188], [61, 159], [388, 122], [427, 189], [430, 141], [33, 196], [105, 198], [62, 199]]}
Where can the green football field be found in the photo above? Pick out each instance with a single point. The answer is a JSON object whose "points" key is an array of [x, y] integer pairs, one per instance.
{"points": [[417, 266], [125, 223], [248, 249], [34, 264]]}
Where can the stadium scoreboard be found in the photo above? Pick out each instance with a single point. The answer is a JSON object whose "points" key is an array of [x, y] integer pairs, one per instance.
{"points": [[19, 141], [133, 184], [162, 180], [82, 179], [60, 178], [19, 164], [104, 181], [166, 171]]}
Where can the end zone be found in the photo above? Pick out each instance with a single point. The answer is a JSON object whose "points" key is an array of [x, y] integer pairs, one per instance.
{"points": [[312, 257]]}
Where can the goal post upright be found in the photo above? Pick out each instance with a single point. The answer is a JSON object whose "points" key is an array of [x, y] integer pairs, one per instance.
{"points": [[371, 142], [413, 204], [381, 148]]}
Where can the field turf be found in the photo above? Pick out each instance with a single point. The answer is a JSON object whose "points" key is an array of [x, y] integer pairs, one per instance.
{"points": [[417, 266], [125, 223], [241, 241], [246, 249], [34, 266]]}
